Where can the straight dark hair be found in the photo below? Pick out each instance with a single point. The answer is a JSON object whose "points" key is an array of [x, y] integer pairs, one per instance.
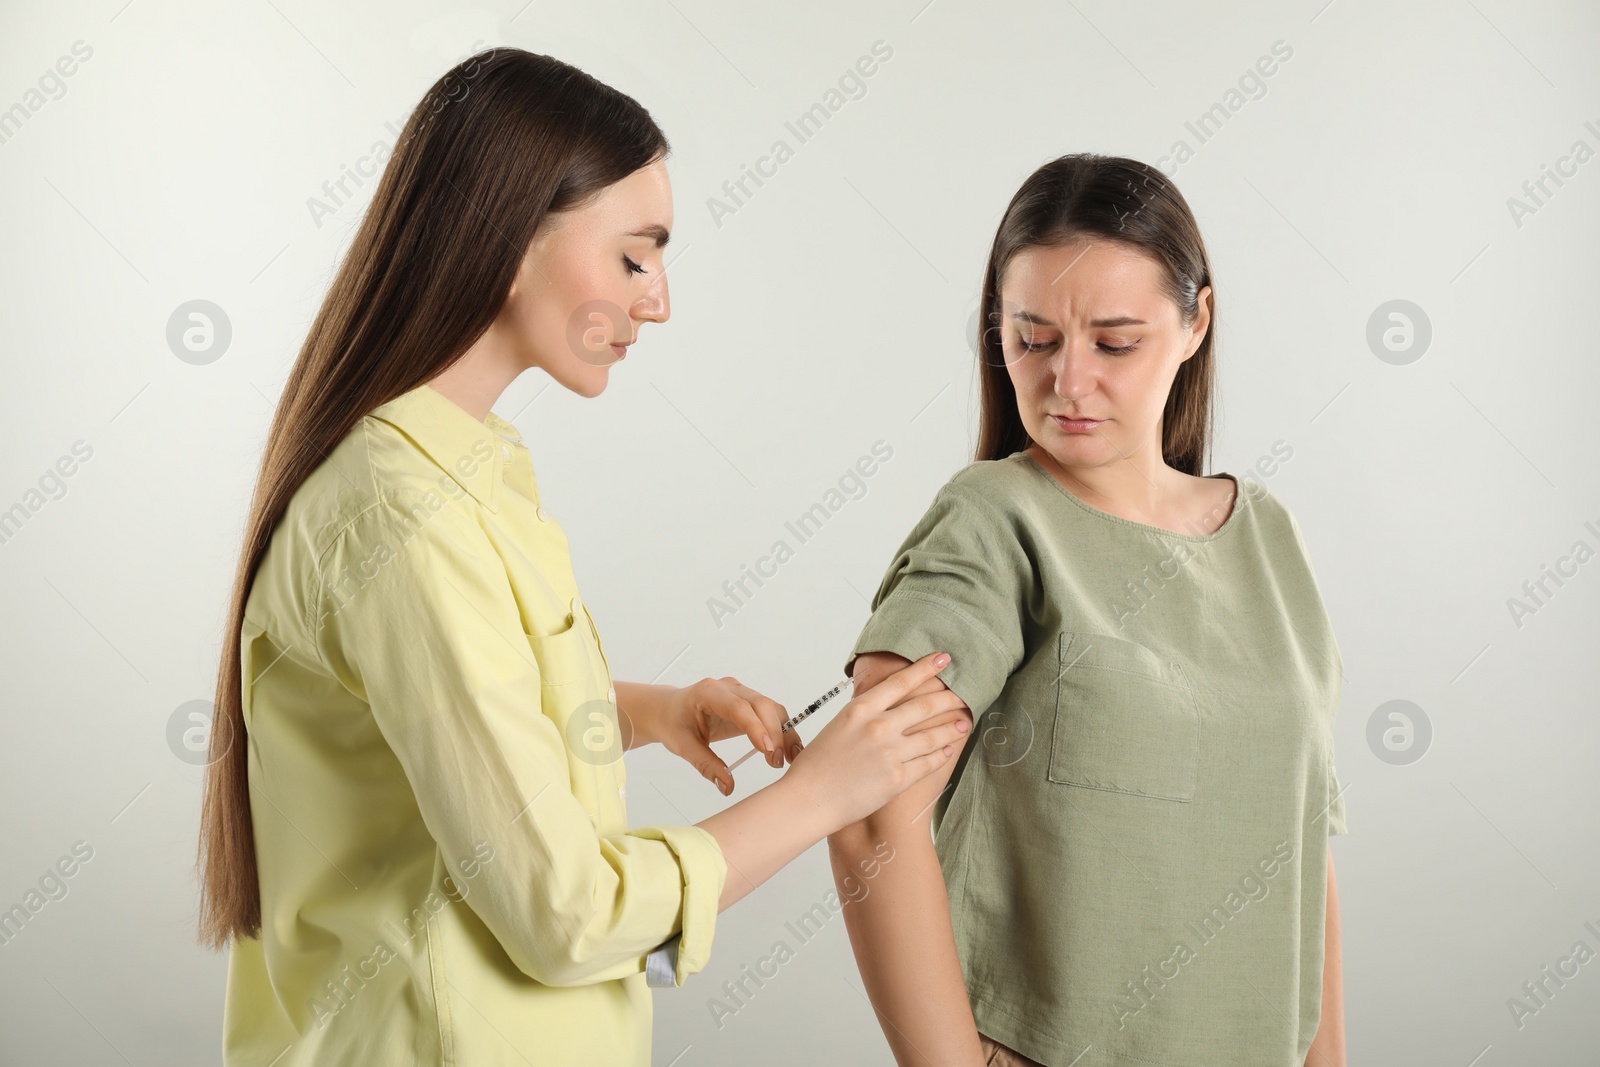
{"points": [[500, 141], [1106, 198]]}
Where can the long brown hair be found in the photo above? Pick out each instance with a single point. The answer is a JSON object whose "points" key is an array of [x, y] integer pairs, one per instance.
{"points": [[1105, 198], [499, 141]]}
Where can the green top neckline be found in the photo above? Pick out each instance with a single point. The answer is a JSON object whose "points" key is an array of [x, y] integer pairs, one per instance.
{"points": [[1239, 498]]}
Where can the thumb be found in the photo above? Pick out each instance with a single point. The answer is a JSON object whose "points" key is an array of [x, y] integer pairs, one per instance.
{"points": [[698, 755]]}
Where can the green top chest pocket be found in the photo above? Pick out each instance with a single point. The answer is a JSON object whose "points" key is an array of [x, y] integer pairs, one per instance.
{"points": [[1126, 719]]}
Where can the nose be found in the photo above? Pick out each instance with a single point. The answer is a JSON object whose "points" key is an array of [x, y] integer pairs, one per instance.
{"points": [[656, 304], [1073, 370]]}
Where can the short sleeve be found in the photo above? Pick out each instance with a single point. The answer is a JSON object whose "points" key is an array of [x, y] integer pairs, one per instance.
{"points": [[958, 583], [428, 633]]}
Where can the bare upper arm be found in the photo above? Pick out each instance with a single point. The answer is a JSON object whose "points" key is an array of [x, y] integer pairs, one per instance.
{"points": [[913, 807]]}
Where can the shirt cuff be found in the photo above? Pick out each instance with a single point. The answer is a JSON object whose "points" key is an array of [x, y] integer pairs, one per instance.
{"points": [[661, 966], [705, 872]]}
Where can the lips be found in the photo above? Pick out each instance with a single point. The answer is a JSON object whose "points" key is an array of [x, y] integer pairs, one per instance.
{"points": [[1071, 425]]}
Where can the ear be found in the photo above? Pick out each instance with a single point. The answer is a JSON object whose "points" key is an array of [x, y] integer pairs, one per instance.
{"points": [[1202, 322]]}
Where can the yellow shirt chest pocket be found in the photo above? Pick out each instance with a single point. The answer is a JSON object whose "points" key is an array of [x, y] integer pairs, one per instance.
{"points": [[1126, 719], [577, 694]]}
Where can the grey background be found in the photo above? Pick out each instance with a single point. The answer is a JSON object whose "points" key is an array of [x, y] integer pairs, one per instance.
{"points": [[825, 314]]}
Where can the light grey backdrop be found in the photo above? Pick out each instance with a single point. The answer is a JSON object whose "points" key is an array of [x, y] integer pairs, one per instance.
{"points": [[1383, 160]]}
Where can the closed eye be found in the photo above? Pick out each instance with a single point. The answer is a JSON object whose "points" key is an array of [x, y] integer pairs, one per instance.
{"points": [[1044, 346], [632, 266]]}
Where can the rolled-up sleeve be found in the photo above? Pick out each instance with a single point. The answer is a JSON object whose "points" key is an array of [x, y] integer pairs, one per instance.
{"points": [[704, 873], [413, 611], [958, 583]]}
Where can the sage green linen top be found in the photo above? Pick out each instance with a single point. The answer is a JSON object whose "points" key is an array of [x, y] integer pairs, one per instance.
{"points": [[1134, 839]]}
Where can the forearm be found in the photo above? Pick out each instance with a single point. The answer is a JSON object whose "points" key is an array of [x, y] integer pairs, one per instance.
{"points": [[903, 942], [766, 830], [1327, 1048], [637, 704]]}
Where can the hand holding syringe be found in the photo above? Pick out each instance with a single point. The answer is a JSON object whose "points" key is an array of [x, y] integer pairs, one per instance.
{"points": [[789, 725]]}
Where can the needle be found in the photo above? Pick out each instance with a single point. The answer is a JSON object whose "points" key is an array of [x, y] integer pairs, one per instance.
{"points": [[813, 706]]}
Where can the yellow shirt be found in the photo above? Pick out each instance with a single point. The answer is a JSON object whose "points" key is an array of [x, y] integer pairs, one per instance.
{"points": [[436, 776]]}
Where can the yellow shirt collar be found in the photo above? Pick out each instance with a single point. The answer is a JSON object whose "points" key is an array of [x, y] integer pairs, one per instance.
{"points": [[472, 453]]}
